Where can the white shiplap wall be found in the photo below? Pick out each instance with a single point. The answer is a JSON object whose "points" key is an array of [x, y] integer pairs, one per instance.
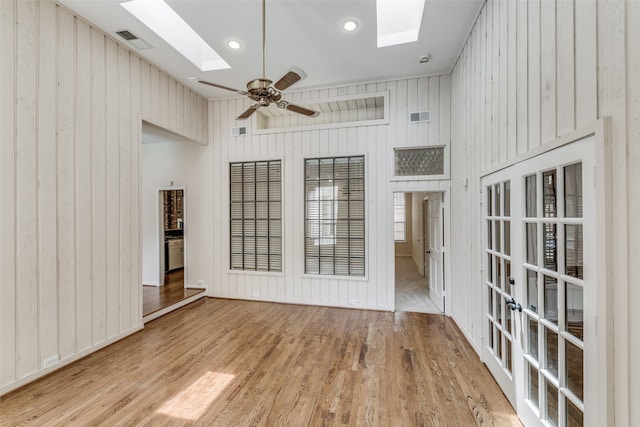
{"points": [[531, 71], [72, 100], [376, 142]]}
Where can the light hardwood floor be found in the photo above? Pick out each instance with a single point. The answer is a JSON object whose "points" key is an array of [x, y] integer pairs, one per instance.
{"points": [[238, 363], [156, 298]]}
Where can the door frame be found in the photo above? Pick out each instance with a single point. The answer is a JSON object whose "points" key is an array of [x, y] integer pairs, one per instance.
{"points": [[427, 186], [601, 399], [160, 233], [427, 251]]}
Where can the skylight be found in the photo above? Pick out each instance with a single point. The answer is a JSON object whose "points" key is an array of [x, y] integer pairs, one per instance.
{"points": [[165, 22], [399, 21]]}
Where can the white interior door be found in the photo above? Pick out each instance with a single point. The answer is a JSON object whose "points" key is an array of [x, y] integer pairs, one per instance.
{"points": [[435, 250], [539, 289]]}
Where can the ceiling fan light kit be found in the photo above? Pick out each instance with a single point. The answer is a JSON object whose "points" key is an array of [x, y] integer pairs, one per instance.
{"points": [[263, 92]]}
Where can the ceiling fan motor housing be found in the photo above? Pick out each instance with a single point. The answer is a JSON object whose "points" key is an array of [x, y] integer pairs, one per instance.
{"points": [[259, 87]]}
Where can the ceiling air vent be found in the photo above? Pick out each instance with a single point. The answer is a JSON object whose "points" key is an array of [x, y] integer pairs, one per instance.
{"points": [[127, 35], [420, 117], [135, 41], [239, 131]]}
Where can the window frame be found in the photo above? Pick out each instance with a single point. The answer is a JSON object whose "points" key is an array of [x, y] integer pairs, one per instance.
{"points": [[274, 224], [404, 217], [355, 257]]}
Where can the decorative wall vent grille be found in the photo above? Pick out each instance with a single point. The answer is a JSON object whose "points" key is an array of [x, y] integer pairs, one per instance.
{"points": [[420, 117], [239, 131], [419, 161]]}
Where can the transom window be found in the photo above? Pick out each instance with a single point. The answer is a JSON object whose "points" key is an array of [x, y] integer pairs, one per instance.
{"points": [[334, 216], [256, 216]]}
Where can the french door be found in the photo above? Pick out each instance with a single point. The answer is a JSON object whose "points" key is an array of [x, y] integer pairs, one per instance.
{"points": [[539, 287]]}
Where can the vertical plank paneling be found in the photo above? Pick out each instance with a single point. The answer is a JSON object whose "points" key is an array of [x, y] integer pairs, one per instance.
{"points": [[47, 173], [8, 308], [66, 185], [494, 142], [69, 257], [180, 105], [98, 185], [503, 80], [633, 166], [511, 78], [568, 63], [26, 189], [163, 95], [112, 189], [534, 103], [481, 81], [522, 69], [83, 178], [434, 106], [172, 110], [444, 109], [586, 86], [402, 113], [548, 118], [135, 217], [412, 106], [565, 67], [154, 94], [125, 185], [145, 90], [488, 61], [423, 105], [612, 96]]}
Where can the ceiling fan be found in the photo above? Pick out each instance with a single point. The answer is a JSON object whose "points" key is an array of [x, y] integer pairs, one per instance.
{"points": [[263, 92]]}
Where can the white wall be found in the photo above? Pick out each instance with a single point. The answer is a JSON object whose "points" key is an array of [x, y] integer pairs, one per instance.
{"points": [[532, 71], [69, 154], [376, 142], [165, 165]]}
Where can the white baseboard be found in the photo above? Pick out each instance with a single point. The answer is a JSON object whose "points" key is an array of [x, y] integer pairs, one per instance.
{"points": [[64, 362], [175, 306]]}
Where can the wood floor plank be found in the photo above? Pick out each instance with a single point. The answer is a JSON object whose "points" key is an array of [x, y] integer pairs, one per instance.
{"points": [[156, 298], [239, 363]]}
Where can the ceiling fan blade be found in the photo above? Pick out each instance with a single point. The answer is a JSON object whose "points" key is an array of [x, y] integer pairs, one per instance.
{"points": [[248, 112], [300, 110], [241, 92], [292, 76]]}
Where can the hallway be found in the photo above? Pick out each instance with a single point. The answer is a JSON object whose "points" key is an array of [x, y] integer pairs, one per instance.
{"points": [[412, 288]]}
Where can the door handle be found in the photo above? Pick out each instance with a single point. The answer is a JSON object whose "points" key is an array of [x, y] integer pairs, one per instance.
{"points": [[514, 305]]}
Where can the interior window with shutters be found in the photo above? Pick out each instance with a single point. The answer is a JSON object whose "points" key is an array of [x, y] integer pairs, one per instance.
{"points": [[256, 216], [334, 216]]}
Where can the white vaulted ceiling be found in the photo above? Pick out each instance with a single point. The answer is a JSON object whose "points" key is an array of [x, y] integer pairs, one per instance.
{"points": [[304, 33]]}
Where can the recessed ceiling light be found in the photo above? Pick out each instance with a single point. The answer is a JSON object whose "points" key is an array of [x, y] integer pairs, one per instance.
{"points": [[350, 25], [165, 22], [398, 21], [234, 44]]}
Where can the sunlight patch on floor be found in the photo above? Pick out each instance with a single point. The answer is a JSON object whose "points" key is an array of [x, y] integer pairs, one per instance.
{"points": [[191, 403]]}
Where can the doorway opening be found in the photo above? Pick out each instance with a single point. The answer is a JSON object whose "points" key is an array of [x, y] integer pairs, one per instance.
{"points": [[172, 288], [166, 159], [419, 251]]}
